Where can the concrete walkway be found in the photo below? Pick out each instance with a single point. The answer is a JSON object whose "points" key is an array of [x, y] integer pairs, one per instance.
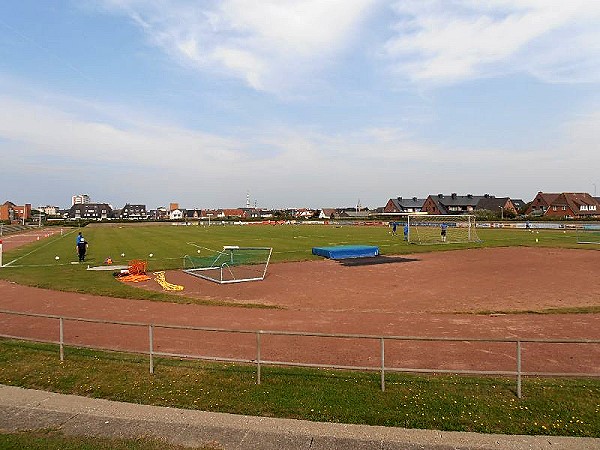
{"points": [[25, 409]]}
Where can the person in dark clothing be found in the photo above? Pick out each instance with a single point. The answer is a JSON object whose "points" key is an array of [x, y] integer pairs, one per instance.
{"points": [[82, 246], [444, 231]]}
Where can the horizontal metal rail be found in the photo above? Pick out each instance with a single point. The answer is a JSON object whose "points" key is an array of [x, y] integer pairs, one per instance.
{"points": [[380, 367], [308, 333]]}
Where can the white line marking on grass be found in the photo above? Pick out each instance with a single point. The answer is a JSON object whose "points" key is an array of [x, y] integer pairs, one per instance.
{"points": [[20, 266], [35, 250], [205, 248]]}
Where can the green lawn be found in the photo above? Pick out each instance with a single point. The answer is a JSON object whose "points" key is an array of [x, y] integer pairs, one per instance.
{"points": [[487, 405], [36, 264], [55, 440]]}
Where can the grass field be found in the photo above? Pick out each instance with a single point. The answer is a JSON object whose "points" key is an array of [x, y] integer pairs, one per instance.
{"points": [[55, 440], [35, 264], [487, 405]]}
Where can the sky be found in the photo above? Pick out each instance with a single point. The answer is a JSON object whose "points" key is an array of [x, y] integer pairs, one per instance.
{"points": [[296, 103]]}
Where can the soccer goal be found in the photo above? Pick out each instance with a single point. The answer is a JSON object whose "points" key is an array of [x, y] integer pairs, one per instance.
{"points": [[437, 229], [588, 233], [231, 265]]}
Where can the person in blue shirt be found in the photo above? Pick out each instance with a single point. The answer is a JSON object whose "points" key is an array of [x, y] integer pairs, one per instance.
{"points": [[406, 232], [444, 231], [81, 245], [394, 225]]}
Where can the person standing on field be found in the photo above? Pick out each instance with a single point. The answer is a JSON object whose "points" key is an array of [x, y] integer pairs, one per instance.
{"points": [[81, 245], [444, 231]]}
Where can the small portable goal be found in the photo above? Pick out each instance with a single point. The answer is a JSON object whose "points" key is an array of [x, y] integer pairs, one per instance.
{"points": [[232, 265]]}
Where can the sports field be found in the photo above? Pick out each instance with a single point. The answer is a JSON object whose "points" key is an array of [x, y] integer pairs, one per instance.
{"points": [[410, 291], [48, 262]]}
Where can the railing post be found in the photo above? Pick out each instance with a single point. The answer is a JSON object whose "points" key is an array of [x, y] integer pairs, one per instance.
{"points": [[151, 342], [382, 365], [519, 369], [258, 333], [61, 338]]}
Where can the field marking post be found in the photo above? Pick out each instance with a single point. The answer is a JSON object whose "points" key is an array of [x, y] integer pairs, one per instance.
{"points": [[519, 369], [151, 345], [258, 333], [382, 364], [61, 338]]}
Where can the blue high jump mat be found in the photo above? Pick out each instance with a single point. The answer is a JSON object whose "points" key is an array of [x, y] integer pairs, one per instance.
{"points": [[346, 251]]}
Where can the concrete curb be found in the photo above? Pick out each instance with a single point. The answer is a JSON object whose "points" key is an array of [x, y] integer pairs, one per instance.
{"points": [[26, 409]]}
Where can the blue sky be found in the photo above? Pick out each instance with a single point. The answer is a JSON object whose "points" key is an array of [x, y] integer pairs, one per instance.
{"points": [[300, 103]]}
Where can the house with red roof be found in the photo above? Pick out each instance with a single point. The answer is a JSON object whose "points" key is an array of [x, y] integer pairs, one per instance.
{"points": [[574, 205], [540, 204]]}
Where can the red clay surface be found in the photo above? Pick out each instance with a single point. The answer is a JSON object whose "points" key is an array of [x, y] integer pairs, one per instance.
{"points": [[501, 279], [11, 241], [415, 295]]}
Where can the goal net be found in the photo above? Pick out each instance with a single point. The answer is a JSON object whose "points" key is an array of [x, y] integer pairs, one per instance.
{"points": [[588, 233], [437, 229], [231, 265]]}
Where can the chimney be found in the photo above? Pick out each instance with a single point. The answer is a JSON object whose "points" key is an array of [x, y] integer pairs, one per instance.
{"points": [[453, 195]]}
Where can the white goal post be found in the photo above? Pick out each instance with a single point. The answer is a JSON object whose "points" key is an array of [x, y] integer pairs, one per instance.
{"points": [[438, 229], [233, 264]]}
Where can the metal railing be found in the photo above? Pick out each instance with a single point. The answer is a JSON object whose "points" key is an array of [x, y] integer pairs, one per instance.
{"points": [[518, 373]]}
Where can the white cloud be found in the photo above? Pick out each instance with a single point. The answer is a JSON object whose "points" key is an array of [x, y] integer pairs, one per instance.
{"points": [[51, 132], [277, 45], [282, 166], [242, 63], [441, 42], [43, 137], [270, 44]]}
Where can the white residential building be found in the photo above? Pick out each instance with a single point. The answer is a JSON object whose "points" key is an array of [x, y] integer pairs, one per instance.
{"points": [[49, 210], [81, 199]]}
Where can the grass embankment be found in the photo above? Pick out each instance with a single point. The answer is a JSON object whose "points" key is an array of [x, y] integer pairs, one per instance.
{"points": [[35, 264], [55, 440], [487, 405]]}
